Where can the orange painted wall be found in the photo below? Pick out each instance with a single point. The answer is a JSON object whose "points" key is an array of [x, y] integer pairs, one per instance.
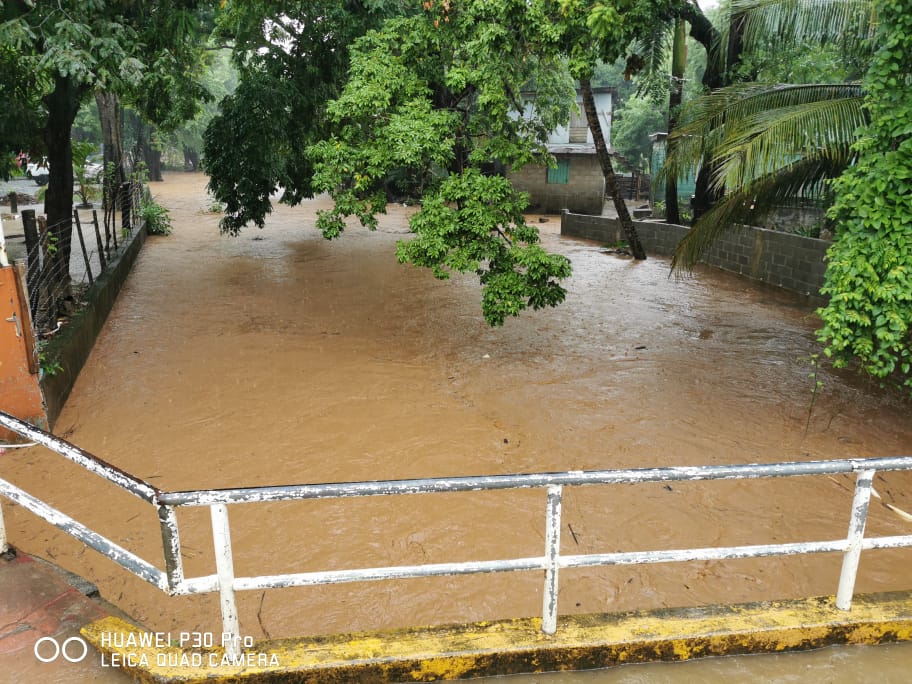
{"points": [[20, 394]]}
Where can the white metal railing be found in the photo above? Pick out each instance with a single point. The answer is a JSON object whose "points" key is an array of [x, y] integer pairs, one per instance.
{"points": [[173, 581]]}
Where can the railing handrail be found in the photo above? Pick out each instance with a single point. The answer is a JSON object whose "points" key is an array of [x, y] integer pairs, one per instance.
{"points": [[90, 462], [339, 490], [172, 579]]}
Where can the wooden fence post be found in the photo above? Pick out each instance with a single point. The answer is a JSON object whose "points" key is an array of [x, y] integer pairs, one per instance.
{"points": [[101, 248], [33, 255]]}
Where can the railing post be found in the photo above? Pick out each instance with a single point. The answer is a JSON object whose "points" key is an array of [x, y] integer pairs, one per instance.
{"points": [[4, 546], [856, 535], [552, 553], [174, 566], [224, 564]]}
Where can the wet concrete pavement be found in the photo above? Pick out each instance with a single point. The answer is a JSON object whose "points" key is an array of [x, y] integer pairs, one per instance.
{"points": [[42, 609]]}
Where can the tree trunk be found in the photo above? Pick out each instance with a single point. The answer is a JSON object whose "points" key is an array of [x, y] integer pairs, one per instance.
{"points": [[678, 60], [715, 76], [150, 156], [109, 117], [145, 151], [707, 35], [153, 159], [63, 104], [601, 151], [191, 159], [724, 74]]}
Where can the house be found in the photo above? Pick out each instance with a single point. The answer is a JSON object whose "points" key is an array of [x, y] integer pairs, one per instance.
{"points": [[577, 183], [686, 187]]}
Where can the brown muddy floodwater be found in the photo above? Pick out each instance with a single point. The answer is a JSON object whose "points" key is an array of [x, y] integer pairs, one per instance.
{"points": [[278, 357]]}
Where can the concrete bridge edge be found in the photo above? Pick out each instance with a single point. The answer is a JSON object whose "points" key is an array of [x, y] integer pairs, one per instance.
{"points": [[518, 646]]}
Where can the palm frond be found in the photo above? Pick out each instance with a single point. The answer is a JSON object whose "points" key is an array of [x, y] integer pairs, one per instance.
{"points": [[767, 141], [814, 21], [653, 51], [752, 201], [734, 115]]}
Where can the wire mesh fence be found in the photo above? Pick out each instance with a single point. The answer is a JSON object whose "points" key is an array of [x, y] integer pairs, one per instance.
{"points": [[63, 260]]}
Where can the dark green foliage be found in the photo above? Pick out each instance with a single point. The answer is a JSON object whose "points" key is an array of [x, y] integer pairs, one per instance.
{"points": [[20, 91], [156, 218], [475, 223], [869, 275], [630, 130], [292, 57], [436, 97], [72, 47], [250, 161]]}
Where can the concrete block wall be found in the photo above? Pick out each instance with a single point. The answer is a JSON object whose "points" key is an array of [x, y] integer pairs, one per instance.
{"points": [[788, 261], [72, 345], [583, 194]]}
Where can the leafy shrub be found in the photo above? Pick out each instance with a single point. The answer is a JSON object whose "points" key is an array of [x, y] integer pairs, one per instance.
{"points": [[869, 275], [156, 218]]}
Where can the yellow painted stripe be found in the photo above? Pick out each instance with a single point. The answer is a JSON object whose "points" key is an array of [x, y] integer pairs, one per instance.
{"points": [[517, 646]]}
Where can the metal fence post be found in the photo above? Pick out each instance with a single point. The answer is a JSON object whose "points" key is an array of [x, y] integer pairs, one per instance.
{"points": [[224, 564], [552, 552], [856, 535]]}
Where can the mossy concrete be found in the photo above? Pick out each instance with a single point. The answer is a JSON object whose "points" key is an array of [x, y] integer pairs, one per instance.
{"points": [[71, 346]]}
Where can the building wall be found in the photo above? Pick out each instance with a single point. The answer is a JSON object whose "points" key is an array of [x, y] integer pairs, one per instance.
{"points": [[789, 261], [581, 194], [578, 130]]}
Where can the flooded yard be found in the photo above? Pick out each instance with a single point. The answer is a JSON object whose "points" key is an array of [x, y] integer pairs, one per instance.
{"points": [[278, 358]]}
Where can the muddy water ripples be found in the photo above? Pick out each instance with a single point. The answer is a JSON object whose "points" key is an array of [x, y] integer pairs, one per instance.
{"points": [[277, 357]]}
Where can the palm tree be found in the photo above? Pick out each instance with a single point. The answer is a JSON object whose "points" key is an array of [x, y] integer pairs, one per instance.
{"points": [[765, 143]]}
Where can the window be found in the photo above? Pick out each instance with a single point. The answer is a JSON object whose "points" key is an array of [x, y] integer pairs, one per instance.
{"points": [[560, 175]]}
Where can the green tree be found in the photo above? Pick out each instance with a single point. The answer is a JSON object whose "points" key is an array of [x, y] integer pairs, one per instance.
{"points": [[292, 58], [869, 275], [768, 144], [407, 102], [75, 46], [764, 143], [633, 124], [436, 96], [220, 80], [20, 93], [654, 28]]}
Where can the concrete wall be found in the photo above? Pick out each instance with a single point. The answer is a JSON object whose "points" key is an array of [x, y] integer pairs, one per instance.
{"points": [[789, 261], [582, 194], [72, 345]]}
